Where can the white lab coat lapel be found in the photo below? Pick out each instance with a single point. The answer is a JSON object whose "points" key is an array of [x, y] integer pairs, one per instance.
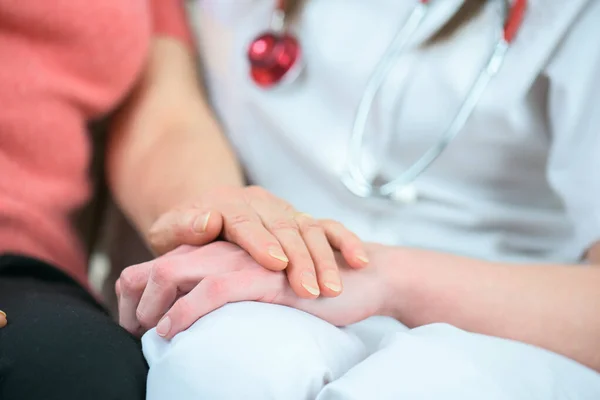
{"points": [[545, 23]]}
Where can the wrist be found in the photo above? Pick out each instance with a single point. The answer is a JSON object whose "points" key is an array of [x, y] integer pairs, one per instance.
{"points": [[394, 269], [411, 281], [165, 177], [423, 286]]}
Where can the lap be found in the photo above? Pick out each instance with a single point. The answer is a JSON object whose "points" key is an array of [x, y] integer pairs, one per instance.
{"points": [[266, 351], [245, 343], [440, 361], [59, 343]]}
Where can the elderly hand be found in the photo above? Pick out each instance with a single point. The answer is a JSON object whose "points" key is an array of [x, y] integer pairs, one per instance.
{"points": [[175, 290], [276, 235]]}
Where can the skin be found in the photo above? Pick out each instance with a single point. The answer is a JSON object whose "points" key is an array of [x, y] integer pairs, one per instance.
{"points": [[556, 307], [155, 151], [142, 303]]}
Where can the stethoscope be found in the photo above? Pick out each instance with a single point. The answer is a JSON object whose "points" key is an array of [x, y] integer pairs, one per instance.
{"points": [[274, 58]]}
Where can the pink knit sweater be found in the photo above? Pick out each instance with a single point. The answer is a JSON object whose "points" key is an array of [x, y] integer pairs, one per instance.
{"points": [[62, 63]]}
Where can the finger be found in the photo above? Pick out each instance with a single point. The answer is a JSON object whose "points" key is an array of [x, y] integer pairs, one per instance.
{"points": [[217, 290], [169, 278], [326, 268], [301, 269], [144, 270], [131, 286], [244, 227], [350, 245], [3, 319], [192, 226], [159, 294], [278, 217]]}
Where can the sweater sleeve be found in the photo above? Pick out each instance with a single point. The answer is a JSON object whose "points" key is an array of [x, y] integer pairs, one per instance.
{"points": [[169, 19]]}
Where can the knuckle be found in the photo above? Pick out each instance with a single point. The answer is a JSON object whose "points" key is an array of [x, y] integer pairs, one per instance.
{"points": [[310, 224], [287, 207], [283, 224], [256, 191], [331, 225], [236, 227], [237, 221], [162, 273], [128, 280]]}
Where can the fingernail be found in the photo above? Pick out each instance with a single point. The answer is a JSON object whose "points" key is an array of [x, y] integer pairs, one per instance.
{"points": [[362, 257], [163, 327], [332, 281], [200, 223], [309, 282], [278, 254], [3, 313]]}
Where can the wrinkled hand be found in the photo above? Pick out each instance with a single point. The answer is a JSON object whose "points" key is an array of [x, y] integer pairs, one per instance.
{"points": [[175, 290], [276, 235]]}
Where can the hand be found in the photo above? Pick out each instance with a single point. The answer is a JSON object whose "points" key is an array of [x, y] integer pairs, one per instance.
{"points": [[146, 291], [179, 288], [3, 320], [270, 230]]}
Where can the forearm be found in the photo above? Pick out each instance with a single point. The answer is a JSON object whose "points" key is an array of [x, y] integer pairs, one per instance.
{"points": [[166, 148], [177, 168], [554, 307]]}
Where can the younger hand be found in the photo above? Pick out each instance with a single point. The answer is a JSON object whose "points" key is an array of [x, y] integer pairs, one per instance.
{"points": [[3, 320], [146, 291], [276, 235], [187, 284]]}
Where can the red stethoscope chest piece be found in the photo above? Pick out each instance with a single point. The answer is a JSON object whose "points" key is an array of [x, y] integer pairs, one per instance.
{"points": [[272, 56]]}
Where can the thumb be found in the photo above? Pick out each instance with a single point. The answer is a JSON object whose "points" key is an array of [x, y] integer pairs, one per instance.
{"points": [[191, 227], [3, 320]]}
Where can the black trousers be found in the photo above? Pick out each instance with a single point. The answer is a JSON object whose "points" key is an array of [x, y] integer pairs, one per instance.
{"points": [[60, 344]]}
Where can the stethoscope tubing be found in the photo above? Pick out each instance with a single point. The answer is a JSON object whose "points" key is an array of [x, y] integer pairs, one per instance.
{"points": [[353, 176]]}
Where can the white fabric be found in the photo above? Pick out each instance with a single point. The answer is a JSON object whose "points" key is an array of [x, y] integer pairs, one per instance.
{"points": [[488, 195], [257, 351]]}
